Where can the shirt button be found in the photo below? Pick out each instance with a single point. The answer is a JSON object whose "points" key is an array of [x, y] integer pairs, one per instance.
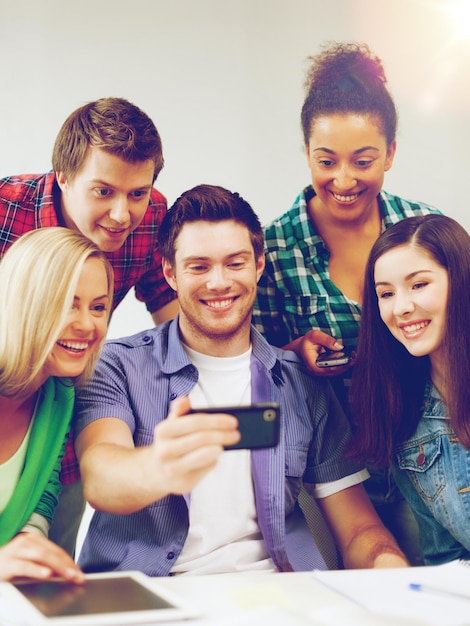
{"points": [[146, 338], [170, 555], [173, 396]]}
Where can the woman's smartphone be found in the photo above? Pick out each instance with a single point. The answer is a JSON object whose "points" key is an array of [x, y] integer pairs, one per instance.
{"points": [[258, 424], [331, 358]]}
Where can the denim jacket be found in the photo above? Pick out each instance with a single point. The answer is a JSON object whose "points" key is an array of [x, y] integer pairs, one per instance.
{"points": [[432, 470]]}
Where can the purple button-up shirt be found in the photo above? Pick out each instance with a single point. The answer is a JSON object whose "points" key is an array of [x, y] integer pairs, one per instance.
{"points": [[137, 378]]}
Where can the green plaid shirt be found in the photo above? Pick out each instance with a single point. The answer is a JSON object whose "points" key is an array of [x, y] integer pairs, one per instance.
{"points": [[295, 293]]}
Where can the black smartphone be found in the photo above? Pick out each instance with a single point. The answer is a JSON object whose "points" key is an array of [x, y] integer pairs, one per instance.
{"points": [[258, 424], [331, 358]]}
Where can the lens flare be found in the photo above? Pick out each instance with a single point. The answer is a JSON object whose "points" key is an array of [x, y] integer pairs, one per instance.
{"points": [[460, 13]]}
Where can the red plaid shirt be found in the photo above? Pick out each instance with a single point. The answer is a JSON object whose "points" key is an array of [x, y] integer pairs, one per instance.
{"points": [[31, 201]]}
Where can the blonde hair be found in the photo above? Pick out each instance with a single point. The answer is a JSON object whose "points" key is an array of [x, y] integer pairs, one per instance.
{"points": [[38, 279]]}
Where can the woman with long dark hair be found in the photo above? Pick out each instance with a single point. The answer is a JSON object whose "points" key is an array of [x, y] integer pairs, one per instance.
{"points": [[410, 394]]}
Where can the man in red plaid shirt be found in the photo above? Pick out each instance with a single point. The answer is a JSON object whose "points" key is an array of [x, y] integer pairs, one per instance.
{"points": [[105, 161]]}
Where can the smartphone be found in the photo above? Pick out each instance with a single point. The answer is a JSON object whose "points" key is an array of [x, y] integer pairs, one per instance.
{"points": [[258, 424], [331, 358]]}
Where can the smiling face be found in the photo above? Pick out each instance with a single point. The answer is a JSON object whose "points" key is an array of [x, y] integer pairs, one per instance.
{"points": [[412, 291], [86, 325], [215, 275], [347, 156], [107, 199]]}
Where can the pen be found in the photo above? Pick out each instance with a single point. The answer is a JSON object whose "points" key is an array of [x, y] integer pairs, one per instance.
{"points": [[437, 590]]}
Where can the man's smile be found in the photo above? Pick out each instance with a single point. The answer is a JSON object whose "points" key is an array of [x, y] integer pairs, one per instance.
{"points": [[219, 304]]}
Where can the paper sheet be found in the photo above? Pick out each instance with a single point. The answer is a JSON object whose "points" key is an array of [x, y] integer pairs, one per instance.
{"points": [[387, 592]]}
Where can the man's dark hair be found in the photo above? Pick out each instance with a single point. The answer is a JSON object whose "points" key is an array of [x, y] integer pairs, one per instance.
{"points": [[212, 204]]}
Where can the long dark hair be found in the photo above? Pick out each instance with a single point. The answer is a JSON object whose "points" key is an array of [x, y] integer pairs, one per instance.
{"points": [[388, 382]]}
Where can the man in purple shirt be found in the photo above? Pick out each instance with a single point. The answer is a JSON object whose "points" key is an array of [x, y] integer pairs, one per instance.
{"points": [[169, 498]]}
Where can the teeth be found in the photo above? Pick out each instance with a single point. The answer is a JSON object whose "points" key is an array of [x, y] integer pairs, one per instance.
{"points": [[219, 304], [74, 345], [345, 198], [414, 327]]}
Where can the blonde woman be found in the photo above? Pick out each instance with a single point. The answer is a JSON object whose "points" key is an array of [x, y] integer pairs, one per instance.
{"points": [[55, 297]]}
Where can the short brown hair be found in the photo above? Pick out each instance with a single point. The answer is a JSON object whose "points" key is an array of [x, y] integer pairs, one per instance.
{"points": [[112, 124], [208, 203]]}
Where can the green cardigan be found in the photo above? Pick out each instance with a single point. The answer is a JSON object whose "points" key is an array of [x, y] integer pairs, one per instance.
{"points": [[38, 487]]}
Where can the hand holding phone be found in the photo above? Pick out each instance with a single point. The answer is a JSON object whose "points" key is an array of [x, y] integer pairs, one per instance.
{"points": [[333, 358]]}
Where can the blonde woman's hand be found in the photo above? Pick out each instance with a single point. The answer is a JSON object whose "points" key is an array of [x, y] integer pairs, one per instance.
{"points": [[31, 555]]}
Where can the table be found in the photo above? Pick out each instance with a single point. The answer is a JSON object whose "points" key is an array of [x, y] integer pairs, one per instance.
{"points": [[266, 599], [384, 597]]}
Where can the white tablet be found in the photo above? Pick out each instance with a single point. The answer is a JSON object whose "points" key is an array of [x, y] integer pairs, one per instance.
{"points": [[107, 599]]}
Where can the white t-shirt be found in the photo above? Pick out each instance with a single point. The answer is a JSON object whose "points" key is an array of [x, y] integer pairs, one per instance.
{"points": [[223, 535]]}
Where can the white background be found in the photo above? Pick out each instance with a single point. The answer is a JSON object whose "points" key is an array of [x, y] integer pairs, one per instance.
{"points": [[223, 82]]}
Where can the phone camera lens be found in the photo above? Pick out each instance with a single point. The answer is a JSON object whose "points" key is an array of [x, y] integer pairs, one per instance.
{"points": [[269, 415]]}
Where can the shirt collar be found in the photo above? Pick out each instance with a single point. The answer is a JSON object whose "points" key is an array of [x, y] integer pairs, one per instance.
{"points": [[48, 213], [177, 359]]}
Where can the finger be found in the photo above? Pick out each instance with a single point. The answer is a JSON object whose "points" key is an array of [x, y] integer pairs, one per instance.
{"points": [[320, 338], [62, 565], [179, 406], [42, 552], [19, 568], [169, 448], [183, 474], [185, 425]]}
